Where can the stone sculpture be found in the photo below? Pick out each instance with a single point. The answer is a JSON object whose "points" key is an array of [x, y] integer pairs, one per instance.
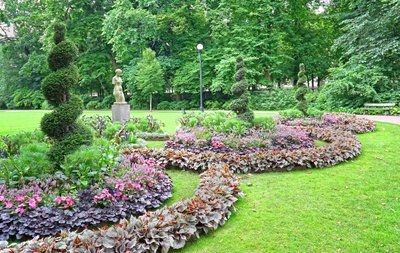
{"points": [[118, 91]]}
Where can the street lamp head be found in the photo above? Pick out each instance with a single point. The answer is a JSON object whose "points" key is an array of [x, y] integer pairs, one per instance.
{"points": [[200, 47]]}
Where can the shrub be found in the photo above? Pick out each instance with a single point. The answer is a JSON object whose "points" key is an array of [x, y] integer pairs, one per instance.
{"points": [[266, 123], [277, 99], [314, 112], [60, 124], [290, 114], [213, 105], [107, 102], [93, 105], [239, 89], [302, 90], [164, 105]]}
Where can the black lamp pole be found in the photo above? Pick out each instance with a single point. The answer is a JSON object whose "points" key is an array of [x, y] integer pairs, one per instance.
{"points": [[200, 48]]}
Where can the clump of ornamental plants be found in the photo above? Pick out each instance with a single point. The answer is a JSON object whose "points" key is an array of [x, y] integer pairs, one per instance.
{"points": [[61, 124], [241, 104], [302, 90]]}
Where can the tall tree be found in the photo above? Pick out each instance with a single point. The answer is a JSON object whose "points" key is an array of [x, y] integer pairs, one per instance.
{"points": [[149, 77]]}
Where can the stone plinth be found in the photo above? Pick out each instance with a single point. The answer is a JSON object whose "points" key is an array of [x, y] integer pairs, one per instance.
{"points": [[121, 112]]}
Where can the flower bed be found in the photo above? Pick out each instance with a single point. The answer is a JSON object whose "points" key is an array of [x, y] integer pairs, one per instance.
{"points": [[201, 139], [46, 208], [342, 146], [340, 121], [159, 231]]}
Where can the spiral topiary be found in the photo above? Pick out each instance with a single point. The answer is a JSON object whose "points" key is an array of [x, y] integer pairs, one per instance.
{"points": [[61, 125], [241, 105], [302, 90]]}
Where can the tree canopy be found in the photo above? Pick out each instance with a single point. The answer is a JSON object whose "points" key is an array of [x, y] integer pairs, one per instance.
{"points": [[273, 37]]}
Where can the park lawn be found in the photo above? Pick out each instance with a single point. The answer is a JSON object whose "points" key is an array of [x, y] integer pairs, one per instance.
{"points": [[352, 207], [12, 122]]}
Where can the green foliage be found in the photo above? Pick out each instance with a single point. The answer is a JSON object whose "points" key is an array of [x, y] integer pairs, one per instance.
{"points": [[88, 164], [62, 55], [149, 78], [302, 90], [14, 142], [32, 162], [351, 85], [57, 84], [314, 112], [276, 99], [239, 89], [266, 123], [291, 114], [77, 136], [61, 124]]}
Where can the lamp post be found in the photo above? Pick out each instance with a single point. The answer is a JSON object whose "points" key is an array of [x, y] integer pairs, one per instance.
{"points": [[200, 48]]}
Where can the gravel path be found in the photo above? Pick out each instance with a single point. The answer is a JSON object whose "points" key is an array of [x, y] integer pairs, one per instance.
{"points": [[387, 119]]}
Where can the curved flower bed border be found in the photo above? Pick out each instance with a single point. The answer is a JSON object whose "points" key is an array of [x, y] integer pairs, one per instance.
{"points": [[166, 228], [342, 146]]}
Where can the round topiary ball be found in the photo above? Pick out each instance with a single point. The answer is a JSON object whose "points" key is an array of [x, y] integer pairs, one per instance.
{"points": [[59, 32], [62, 55]]}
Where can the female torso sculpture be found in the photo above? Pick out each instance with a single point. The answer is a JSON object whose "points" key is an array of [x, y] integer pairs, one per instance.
{"points": [[118, 91]]}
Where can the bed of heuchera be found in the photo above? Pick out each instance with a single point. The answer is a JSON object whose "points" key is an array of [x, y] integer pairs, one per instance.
{"points": [[172, 226], [42, 208], [283, 150]]}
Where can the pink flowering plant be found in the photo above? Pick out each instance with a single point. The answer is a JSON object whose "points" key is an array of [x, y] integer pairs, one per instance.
{"points": [[254, 139], [45, 207]]}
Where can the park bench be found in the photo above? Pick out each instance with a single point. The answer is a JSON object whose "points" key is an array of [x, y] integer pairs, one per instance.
{"points": [[379, 106]]}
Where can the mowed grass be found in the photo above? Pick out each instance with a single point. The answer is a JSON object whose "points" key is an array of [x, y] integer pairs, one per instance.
{"points": [[12, 122], [352, 207]]}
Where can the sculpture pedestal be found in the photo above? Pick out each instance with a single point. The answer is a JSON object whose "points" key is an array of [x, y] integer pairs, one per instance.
{"points": [[121, 112]]}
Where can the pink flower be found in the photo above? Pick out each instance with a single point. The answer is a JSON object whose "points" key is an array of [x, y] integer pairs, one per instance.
{"points": [[118, 194], [9, 204], [120, 187], [58, 200], [70, 202], [124, 198], [37, 197], [2, 198], [32, 203], [20, 210], [150, 184], [20, 198]]}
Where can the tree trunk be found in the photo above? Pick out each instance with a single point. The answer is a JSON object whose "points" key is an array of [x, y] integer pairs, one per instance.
{"points": [[151, 102]]}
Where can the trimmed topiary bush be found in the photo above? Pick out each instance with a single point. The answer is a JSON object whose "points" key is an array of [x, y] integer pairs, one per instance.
{"points": [[61, 125], [241, 105], [302, 90]]}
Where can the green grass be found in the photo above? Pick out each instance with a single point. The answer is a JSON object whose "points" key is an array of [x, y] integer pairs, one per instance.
{"points": [[15, 121], [352, 207]]}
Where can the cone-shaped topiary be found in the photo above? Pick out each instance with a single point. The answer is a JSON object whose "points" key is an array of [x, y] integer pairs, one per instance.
{"points": [[61, 124], [241, 105], [302, 90]]}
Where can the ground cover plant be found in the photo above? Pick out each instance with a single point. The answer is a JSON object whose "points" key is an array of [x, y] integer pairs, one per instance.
{"points": [[46, 207], [222, 133], [93, 185], [255, 201]]}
